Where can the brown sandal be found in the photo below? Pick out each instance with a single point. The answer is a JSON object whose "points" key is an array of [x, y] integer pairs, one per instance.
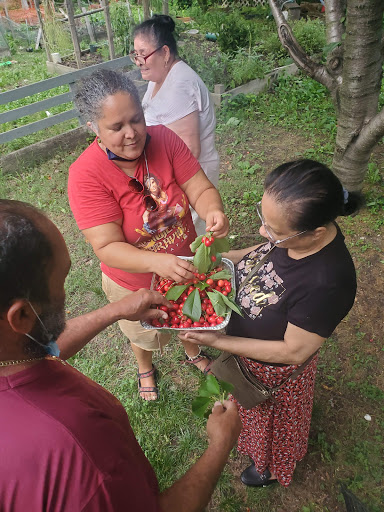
{"points": [[147, 389]]}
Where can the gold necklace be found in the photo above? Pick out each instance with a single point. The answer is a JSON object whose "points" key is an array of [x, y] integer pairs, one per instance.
{"points": [[20, 361]]}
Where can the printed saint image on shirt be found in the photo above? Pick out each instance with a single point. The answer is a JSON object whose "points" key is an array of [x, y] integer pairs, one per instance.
{"points": [[165, 215], [264, 288]]}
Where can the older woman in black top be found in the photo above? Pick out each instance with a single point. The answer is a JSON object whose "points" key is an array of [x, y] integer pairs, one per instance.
{"points": [[291, 304]]}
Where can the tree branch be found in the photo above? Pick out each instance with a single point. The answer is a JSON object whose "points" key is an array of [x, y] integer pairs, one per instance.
{"points": [[334, 13], [371, 133], [316, 71]]}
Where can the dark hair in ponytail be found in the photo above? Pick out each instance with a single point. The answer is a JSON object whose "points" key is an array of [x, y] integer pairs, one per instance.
{"points": [[313, 192], [159, 28]]}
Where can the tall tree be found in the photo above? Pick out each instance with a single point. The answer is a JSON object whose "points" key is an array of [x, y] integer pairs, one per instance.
{"points": [[353, 75]]}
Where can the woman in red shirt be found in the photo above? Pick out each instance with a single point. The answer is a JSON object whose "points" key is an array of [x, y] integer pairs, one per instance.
{"points": [[109, 198]]}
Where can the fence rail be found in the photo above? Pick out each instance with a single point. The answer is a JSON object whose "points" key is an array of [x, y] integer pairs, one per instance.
{"points": [[43, 105]]}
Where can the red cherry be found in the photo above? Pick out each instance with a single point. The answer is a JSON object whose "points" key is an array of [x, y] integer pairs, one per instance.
{"points": [[209, 282], [219, 320], [213, 258]]}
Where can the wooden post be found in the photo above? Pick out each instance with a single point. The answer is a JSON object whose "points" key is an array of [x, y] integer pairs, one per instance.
{"points": [[45, 42], [105, 4], [146, 9], [165, 7], [89, 27], [72, 28]]}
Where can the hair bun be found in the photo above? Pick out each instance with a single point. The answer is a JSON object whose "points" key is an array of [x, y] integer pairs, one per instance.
{"points": [[165, 20]]}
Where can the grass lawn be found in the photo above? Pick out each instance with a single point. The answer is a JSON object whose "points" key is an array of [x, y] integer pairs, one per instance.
{"points": [[254, 135]]}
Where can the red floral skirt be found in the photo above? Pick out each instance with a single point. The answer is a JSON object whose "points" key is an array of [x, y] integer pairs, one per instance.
{"points": [[275, 435]]}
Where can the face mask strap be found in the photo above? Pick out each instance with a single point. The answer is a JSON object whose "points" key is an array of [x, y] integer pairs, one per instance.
{"points": [[51, 348]]}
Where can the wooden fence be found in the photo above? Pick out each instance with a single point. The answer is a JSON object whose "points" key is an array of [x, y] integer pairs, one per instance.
{"points": [[43, 105]]}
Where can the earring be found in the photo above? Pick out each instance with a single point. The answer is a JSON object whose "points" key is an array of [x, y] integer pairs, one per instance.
{"points": [[165, 63]]}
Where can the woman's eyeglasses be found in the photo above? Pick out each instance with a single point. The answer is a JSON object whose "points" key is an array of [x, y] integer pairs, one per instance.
{"points": [[141, 59], [267, 230], [137, 187]]}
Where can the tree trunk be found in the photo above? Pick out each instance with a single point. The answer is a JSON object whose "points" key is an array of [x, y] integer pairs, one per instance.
{"points": [[146, 9], [353, 75], [358, 94]]}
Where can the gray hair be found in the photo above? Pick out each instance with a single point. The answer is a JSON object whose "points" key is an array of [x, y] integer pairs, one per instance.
{"points": [[93, 90]]}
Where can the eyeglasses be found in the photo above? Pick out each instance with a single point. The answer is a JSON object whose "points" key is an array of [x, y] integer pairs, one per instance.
{"points": [[265, 226], [140, 59], [137, 187]]}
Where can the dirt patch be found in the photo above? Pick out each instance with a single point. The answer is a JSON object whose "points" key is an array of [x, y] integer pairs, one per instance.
{"points": [[87, 59]]}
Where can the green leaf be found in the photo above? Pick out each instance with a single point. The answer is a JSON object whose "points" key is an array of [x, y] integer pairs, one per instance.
{"points": [[202, 259], [175, 292], [200, 405], [226, 386], [216, 263], [217, 302], [201, 285], [220, 245], [192, 306], [212, 385], [195, 244], [231, 304], [223, 274]]}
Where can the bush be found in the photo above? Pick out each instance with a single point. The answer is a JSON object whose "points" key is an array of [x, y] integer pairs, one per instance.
{"points": [[310, 35], [245, 67], [122, 27], [235, 33], [212, 70]]}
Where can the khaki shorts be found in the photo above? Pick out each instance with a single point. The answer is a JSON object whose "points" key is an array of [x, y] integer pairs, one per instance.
{"points": [[143, 338]]}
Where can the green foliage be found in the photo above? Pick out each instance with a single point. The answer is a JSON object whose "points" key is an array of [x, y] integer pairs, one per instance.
{"points": [[192, 306], [212, 70], [122, 27], [211, 390], [235, 33], [246, 66], [310, 34], [297, 101], [57, 33]]}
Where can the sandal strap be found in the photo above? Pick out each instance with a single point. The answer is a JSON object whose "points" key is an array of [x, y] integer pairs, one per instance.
{"points": [[207, 369], [146, 374], [145, 389]]}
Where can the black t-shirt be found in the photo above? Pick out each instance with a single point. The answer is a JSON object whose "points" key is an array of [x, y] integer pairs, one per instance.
{"points": [[314, 293]]}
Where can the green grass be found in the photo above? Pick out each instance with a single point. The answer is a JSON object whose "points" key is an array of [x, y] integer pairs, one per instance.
{"points": [[30, 68]]}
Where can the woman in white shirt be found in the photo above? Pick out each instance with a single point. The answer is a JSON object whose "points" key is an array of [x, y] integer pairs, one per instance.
{"points": [[176, 96]]}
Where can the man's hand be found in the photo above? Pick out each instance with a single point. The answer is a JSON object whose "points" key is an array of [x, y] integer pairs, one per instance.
{"points": [[224, 425], [217, 222], [138, 306]]}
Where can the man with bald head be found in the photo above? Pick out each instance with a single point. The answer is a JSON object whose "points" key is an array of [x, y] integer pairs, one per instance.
{"points": [[65, 442]]}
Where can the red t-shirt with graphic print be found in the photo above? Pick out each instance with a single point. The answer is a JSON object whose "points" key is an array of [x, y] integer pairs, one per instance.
{"points": [[98, 193]]}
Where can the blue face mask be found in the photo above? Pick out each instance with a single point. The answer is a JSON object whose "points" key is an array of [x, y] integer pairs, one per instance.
{"points": [[51, 348]]}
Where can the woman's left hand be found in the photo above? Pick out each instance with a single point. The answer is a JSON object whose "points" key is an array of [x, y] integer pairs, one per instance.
{"points": [[217, 222], [209, 339]]}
